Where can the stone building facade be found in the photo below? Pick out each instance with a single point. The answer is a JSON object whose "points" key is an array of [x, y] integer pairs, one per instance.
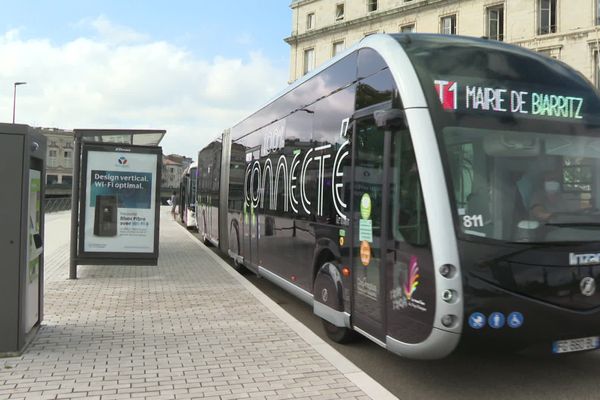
{"points": [[59, 156], [568, 30], [173, 166]]}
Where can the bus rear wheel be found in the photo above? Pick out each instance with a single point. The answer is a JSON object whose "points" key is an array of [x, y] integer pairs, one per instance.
{"points": [[338, 334], [234, 246]]}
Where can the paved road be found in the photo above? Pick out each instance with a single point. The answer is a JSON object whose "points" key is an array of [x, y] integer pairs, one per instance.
{"points": [[461, 376]]}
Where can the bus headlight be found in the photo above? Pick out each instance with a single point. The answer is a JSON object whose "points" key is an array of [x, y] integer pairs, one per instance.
{"points": [[449, 320], [447, 271], [449, 296]]}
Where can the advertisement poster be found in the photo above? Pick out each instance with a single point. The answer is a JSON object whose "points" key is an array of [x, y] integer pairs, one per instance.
{"points": [[120, 201], [34, 250]]}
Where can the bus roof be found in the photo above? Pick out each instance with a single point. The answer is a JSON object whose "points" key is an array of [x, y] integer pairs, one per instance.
{"points": [[434, 55]]}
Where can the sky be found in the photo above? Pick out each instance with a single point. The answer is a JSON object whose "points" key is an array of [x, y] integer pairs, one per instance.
{"points": [[193, 68]]}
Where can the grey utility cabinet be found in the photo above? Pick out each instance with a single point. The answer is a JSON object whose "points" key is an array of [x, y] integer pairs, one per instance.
{"points": [[22, 179]]}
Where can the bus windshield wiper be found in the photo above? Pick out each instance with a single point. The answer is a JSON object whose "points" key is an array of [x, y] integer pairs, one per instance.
{"points": [[573, 224]]}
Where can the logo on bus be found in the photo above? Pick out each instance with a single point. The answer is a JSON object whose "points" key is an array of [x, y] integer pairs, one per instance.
{"points": [[447, 92], [412, 281], [587, 286], [263, 180], [403, 296]]}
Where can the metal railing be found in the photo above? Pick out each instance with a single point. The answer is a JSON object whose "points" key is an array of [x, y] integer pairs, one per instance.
{"points": [[54, 204]]}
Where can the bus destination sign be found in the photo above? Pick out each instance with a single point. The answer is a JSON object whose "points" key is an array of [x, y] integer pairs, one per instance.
{"points": [[455, 96]]}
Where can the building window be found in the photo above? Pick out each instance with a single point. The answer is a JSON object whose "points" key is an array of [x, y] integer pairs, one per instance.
{"points": [[553, 52], [495, 23], [337, 48], [448, 25], [597, 12], [52, 158], [545, 52], [309, 60], [407, 28], [547, 17], [67, 180], [310, 21], [51, 179], [372, 5], [68, 159], [339, 12]]}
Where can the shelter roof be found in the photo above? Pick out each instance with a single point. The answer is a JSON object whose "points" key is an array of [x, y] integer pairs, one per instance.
{"points": [[142, 137]]}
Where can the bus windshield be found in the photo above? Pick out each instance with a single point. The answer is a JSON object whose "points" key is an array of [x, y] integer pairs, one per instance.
{"points": [[524, 186], [520, 136]]}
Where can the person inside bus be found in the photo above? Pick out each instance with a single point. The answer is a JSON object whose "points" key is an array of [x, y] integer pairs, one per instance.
{"points": [[548, 198]]}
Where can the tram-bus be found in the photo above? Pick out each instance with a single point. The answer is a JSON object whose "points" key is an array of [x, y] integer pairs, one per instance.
{"points": [[424, 191], [188, 196]]}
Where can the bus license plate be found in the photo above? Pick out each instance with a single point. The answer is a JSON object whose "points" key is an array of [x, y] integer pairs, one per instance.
{"points": [[571, 345]]}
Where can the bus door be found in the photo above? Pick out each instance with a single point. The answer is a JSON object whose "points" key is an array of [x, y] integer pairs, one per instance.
{"points": [[251, 206], [368, 201], [410, 276], [193, 192], [208, 208]]}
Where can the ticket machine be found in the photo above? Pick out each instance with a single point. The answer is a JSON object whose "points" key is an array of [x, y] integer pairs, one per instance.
{"points": [[22, 179]]}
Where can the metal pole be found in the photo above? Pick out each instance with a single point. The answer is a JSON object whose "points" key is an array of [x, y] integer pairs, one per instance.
{"points": [[75, 206], [14, 100], [15, 97]]}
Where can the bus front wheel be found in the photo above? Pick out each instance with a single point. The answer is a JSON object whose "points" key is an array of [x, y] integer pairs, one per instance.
{"points": [[328, 289], [338, 334]]}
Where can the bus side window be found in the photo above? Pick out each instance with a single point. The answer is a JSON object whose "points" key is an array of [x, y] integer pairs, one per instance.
{"points": [[236, 177], [409, 217], [377, 89], [369, 63], [216, 175]]}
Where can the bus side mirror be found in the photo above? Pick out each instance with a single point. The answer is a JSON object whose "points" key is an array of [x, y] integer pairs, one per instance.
{"points": [[345, 129], [37, 240], [391, 118]]}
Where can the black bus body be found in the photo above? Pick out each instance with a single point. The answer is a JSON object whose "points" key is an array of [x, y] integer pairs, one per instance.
{"points": [[425, 191]]}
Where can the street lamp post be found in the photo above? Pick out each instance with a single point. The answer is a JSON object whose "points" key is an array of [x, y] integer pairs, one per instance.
{"points": [[15, 97]]}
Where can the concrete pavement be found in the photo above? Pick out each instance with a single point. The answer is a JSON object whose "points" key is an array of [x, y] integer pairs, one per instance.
{"points": [[190, 327]]}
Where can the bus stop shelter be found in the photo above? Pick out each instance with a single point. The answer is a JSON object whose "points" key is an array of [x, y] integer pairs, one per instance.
{"points": [[98, 146]]}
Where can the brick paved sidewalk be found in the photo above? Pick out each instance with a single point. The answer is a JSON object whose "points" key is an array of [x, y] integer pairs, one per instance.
{"points": [[188, 328]]}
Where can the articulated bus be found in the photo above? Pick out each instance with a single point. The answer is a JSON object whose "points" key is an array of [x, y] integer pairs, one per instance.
{"points": [[188, 196], [424, 191]]}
